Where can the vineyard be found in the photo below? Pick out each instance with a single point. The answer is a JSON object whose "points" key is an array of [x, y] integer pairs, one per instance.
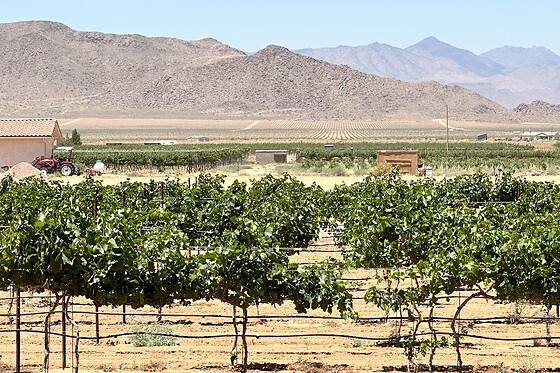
{"points": [[102, 130], [127, 158], [384, 267], [191, 158]]}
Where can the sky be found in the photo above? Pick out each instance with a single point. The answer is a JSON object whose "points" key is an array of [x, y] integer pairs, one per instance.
{"points": [[250, 25]]}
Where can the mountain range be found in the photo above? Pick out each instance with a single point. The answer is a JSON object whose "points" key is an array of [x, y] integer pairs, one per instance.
{"points": [[49, 69], [508, 75]]}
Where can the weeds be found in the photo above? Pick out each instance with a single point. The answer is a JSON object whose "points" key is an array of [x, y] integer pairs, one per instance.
{"points": [[154, 366], [334, 169], [382, 169], [105, 367], [527, 364], [357, 342], [148, 335], [515, 315]]}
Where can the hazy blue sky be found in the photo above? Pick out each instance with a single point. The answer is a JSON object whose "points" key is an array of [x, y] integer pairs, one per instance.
{"points": [[250, 25]]}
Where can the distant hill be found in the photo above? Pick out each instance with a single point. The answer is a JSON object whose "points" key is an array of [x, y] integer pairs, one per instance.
{"points": [[507, 75], [49, 69], [516, 57], [539, 111]]}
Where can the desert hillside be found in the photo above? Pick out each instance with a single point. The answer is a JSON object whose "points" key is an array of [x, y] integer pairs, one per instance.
{"points": [[52, 70]]}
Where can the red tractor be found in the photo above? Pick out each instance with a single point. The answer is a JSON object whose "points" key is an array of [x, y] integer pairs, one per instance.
{"points": [[49, 165]]}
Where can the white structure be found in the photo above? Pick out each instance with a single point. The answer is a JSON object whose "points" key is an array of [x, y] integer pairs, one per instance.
{"points": [[99, 166], [530, 136], [21, 140]]}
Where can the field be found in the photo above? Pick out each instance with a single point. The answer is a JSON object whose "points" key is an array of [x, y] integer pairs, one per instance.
{"points": [[500, 335], [102, 130], [355, 144], [504, 336]]}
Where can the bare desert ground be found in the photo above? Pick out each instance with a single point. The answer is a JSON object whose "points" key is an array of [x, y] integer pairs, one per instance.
{"points": [[280, 340]]}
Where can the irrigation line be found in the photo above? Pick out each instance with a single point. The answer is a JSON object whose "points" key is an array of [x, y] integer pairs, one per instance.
{"points": [[295, 335], [504, 319]]}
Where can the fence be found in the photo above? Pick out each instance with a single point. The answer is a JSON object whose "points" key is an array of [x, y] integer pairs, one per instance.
{"points": [[371, 326]]}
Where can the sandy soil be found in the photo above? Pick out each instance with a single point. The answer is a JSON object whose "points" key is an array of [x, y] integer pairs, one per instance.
{"points": [[255, 172], [244, 175], [269, 353]]}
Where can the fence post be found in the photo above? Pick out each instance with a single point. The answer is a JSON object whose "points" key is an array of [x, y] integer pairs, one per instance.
{"points": [[18, 333], [124, 313], [97, 324], [63, 320]]}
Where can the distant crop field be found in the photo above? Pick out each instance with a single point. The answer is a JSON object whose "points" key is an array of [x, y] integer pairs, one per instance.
{"points": [[134, 130]]}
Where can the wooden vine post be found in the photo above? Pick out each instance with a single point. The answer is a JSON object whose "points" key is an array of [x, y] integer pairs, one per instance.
{"points": [[18, 331]]}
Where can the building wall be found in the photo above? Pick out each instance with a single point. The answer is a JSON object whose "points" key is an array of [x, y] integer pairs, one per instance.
{"points": [[405, 160], [271, 157], [14, 150]]}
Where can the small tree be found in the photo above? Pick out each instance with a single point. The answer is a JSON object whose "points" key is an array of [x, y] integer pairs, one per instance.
{"points": [[76, 139], [72, 139]]}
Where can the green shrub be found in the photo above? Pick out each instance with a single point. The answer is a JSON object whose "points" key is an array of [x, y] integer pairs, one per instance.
{"points": [[334, 169], [362, 168], [382, 169], [149, 335]]}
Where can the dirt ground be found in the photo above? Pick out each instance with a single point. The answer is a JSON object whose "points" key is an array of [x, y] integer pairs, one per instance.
{"points": [[257, 171], [274, 350]]}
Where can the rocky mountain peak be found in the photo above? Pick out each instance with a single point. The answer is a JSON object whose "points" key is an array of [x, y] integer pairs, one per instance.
{"points": [[274, 51]]}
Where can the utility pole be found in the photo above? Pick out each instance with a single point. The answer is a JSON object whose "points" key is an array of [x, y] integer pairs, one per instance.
{"points": [[446, 128]]}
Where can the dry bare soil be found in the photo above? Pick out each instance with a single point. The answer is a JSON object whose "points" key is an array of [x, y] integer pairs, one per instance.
{"points": [[286, 342]]}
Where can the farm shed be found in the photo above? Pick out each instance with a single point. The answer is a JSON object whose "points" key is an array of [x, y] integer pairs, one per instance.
{"points": [[21, 140], [405, 160], [271, 156], [482, 137]]}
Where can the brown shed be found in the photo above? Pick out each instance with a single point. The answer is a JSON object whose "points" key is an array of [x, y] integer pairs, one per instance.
{"points": [[271, 156], [405, 160], [21, 140]]}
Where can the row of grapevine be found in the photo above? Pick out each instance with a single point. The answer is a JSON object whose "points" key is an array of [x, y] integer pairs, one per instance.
{"points": [[199, 158], [499, 237], [130, 244], [194, 160]]}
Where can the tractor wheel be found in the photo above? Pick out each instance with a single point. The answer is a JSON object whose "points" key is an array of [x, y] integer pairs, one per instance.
{"points": [[44, 171], [66, 170]]}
